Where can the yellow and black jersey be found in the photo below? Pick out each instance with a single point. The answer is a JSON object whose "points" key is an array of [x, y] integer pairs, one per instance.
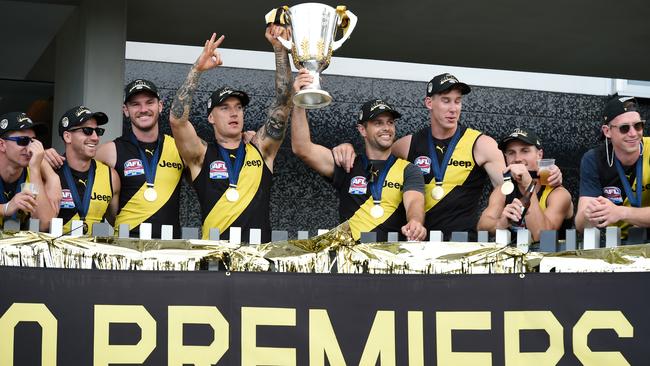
{"points": [[250, 210], [612, 187], [356, 201], [9, 190], [463, 181], [100, 198], [134, 209], [542, 198]]}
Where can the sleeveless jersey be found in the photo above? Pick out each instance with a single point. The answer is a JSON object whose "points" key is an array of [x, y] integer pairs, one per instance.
{"points": [[134, 209], [355, 200], [251, 210], [542, 198], [10, 190], [463, 183], [102, 193], [612, 187]]}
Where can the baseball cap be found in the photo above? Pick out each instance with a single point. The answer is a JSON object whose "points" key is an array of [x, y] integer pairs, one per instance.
{"points": [[140, 85], [373, 108], [616, 106], [18, 121], [522, 134], [221, 94], [444, 82], [78, 115]]}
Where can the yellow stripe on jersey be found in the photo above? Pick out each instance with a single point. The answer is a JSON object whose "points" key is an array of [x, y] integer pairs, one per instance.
{"points": [[543, 204], [138, 210], [645, 195], [224, 212], [455, 175], [391, 197], [102, 194]]}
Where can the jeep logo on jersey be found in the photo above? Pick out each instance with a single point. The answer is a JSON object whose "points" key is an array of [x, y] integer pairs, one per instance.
{"points": [[460, 163], [133, 167], [256, 163], [218, 170], [613, 194], [424, 163], [358, 185], [66, 199], [100, 197], [168, 164]]}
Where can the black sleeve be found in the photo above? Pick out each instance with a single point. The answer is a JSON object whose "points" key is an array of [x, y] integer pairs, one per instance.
{"points": [[413, 179]]}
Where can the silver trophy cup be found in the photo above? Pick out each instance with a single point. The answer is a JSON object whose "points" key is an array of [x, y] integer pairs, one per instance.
{"points": [[313, 28]]}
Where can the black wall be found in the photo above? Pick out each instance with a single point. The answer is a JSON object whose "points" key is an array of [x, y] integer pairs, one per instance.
{"points": [[568, 125]]}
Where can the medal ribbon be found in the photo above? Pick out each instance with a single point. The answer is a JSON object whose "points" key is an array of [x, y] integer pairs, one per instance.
{"points": [[233, 171], [82, 206], [376, 185], [635, 200], [149, 167], [3, 199], [439, 168]]}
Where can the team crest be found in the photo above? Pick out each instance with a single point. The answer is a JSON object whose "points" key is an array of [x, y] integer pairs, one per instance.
{"points": [[4, 123], [66, 199], [358, 185], [133, 167], [218, 170], [613, 194], [65, 122], [424, 163]]}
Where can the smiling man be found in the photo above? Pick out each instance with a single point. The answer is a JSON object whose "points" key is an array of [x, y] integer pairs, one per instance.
{"points": [[21, 155], [147, 162], [90, 188], [610, 175], [381, 193]]}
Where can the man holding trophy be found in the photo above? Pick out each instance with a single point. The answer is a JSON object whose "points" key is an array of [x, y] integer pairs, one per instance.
{"points": [[232, 178], [382, 193]]}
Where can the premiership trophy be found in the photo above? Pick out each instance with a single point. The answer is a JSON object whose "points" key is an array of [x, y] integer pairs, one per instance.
{"points": [[313, 28]]}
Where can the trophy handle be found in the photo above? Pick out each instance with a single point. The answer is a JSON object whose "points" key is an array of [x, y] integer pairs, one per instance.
{"points": [[348, 17], [279, 16], [285, 43]]}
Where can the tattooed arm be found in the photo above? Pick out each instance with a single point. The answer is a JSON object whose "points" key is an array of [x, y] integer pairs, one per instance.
{"points": [[190, 146], [270, 136]]}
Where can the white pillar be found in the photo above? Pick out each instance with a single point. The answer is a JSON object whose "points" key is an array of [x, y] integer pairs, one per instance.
{"points": [[90, 64]]}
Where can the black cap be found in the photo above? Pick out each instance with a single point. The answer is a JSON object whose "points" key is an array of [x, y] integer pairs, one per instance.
{"points": [[617, 106], [524, 135], [18, 121], [374, 107], [444, 82], [78, 115], [221, 94], [140, 85]]}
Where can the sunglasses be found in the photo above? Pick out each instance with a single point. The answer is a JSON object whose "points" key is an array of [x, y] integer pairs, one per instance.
{"points": [[88, 131], [625, 128], [19, 140]]}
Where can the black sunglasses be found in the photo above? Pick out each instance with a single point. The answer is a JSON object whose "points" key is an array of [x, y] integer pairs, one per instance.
{"points": [[625, 128], [19, 140], [88, 131]]}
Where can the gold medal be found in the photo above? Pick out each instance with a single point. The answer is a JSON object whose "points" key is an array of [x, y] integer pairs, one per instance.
{"points": [[150, 194], [232, 194], [437, 192], [377, 211], [507, 187]]}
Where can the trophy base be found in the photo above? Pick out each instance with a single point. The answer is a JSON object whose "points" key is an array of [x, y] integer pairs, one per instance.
{"points": [[312, 99]]}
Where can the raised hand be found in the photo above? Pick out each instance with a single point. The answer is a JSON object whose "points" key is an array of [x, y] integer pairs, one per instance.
{"points": [[210, 57]]}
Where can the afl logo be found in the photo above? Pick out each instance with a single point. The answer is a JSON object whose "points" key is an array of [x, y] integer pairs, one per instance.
{"points": [[133, 167], [358, 185], [613, 194], [66, 199], [424, 163], [218, 170]]}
